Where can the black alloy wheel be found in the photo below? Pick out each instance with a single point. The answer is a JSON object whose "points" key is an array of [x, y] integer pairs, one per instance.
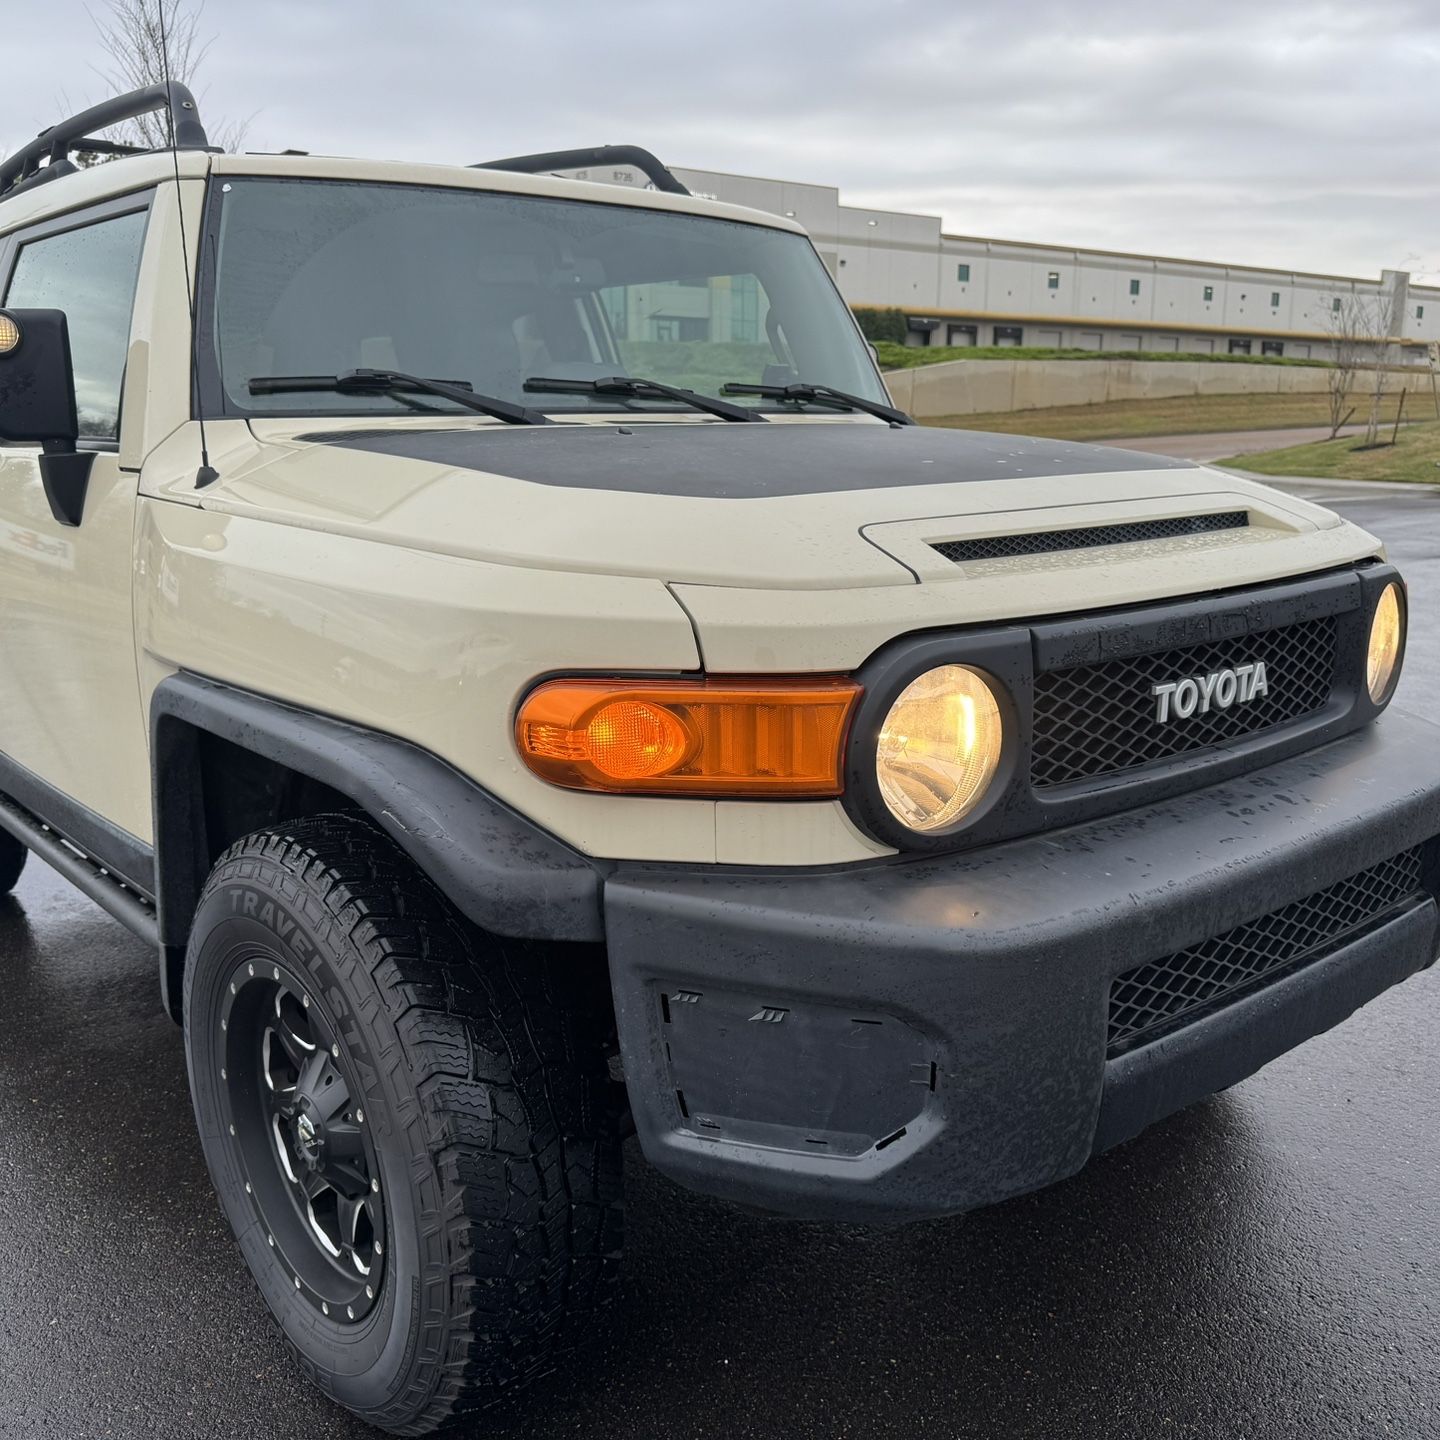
{"points": [[300, 1135]]}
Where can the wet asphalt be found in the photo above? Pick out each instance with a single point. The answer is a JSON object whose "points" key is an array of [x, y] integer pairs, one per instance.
{"points": [[1265, 1265]]}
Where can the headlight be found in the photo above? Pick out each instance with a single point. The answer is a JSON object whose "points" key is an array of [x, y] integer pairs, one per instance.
{"points": [[939, 748], [1387, 638]]}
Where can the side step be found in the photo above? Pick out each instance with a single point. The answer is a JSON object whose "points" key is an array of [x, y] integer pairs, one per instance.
{"points": [[131, 908]]}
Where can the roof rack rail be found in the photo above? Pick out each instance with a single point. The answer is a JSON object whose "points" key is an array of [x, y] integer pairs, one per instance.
{"points": [[642, 160], [55, 146]]}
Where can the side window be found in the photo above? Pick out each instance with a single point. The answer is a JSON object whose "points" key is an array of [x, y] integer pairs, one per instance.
{"points": [[90, 274]]}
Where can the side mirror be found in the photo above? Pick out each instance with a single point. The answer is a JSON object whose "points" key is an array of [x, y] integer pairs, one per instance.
{"points": [[37, 404]]}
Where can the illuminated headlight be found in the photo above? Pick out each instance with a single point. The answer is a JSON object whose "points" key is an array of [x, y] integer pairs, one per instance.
{"points": [[1387, 640], [939, 748]]}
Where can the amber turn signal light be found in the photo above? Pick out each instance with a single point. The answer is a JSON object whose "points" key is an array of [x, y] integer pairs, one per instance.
{"points": [[760, 738]]}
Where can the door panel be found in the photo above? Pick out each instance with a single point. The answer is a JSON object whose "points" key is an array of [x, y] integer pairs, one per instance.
{"points": [[70, 707], [69, 694]]}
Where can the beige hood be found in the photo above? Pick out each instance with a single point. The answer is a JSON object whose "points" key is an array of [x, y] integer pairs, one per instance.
{"points": [[814, 506]]}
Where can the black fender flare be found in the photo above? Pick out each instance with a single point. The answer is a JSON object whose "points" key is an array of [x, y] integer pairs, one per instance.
{"points": [[498, 868]]}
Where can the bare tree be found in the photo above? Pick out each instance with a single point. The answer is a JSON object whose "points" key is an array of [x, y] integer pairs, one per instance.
{"points": [[138, 36], [1388, 312], [1348, 325]]}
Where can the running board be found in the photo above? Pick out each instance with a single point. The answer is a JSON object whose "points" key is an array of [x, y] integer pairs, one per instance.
{"points": [[132, 909]]}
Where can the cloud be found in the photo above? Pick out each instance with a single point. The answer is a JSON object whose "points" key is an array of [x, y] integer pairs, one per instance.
{"points": [[1292, 134]]}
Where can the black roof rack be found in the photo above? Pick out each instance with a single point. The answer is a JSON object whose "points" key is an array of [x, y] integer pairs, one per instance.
{"points": [[642, 160], [54, 146]]}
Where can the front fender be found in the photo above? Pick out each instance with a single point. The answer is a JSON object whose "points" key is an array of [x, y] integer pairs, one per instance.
{"points": [[498, 868]]}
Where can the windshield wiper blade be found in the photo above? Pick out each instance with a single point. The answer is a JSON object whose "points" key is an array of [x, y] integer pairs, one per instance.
{"points": [[822, 395], [393, 382], [638, 389]]}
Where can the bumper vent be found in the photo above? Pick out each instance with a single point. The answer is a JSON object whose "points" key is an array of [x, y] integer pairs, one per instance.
{"points": [[1092, 721], [1162, 996], [1045, 542]]}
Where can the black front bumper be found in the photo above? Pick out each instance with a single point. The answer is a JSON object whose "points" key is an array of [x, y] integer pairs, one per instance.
{"points": [[926, 1036]]}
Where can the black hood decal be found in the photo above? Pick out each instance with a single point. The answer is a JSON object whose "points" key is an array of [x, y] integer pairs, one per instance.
{"points": [[745, 462]]}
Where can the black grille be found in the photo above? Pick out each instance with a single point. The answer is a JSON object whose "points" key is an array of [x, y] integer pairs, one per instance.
{"points": [[1043, 542], [1164, 995], [1096, 720]]}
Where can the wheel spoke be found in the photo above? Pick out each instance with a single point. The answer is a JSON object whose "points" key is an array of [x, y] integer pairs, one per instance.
{"points": [[348, 1177], [344, 1141], [350, 1211], [280, 1072], [283, 1154], [314, 1183], [331, 1095], [357, 1234], [311, 1071], [288, 1027]]}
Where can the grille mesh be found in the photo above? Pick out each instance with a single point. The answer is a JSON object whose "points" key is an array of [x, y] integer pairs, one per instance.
{"points": [[1163, 995], [1096, 720], [1044, 542]]}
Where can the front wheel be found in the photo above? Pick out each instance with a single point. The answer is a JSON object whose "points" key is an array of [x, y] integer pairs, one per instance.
{"points": [[408, 1125]]}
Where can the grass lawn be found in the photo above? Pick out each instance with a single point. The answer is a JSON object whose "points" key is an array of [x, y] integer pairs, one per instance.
{"points": [[1184, 415], [1415, 456], [906, 357]]}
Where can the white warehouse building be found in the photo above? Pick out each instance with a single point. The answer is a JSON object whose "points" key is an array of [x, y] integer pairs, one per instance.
{"points": [[968, 290]]}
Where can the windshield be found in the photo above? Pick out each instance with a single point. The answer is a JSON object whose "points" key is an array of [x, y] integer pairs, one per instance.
{"points": [[487, 289]]}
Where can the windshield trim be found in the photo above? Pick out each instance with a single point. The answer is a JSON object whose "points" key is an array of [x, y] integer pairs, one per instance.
{"points": [[210, 401]]}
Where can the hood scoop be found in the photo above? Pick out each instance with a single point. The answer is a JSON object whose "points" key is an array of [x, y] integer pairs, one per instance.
{"points": [[1085, 537]]}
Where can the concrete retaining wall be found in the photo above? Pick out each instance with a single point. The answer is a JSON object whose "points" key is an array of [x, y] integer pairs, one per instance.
{"points": [[970, 387]]}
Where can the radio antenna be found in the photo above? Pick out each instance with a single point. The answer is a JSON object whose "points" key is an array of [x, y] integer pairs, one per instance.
{"points": [[206, 475]]}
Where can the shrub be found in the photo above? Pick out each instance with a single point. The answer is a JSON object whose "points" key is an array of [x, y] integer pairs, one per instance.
{"points": [[882, 325]]}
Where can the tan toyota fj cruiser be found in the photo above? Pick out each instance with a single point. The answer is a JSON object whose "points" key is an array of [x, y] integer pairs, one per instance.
{"points": [[494, 636]]}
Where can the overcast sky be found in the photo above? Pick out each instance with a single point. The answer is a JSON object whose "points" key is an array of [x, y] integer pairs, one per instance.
{"points": [[1278, 132]]}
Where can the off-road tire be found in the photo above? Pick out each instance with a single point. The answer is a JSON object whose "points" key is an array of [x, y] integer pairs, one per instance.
{"points": [[482, 1065], [12, 861]]}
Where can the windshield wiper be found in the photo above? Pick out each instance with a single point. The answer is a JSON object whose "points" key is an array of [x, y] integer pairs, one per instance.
{"points": [[822, 395], [638, 389], [394, 382]]}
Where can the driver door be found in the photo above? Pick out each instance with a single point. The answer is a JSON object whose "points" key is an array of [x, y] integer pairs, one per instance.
{"points": [[73, 742]]}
